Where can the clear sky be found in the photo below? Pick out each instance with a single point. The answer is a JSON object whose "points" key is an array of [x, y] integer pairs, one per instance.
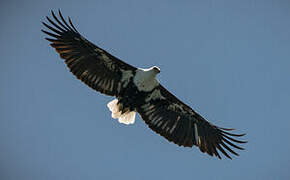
{"points": [[228, 59]]}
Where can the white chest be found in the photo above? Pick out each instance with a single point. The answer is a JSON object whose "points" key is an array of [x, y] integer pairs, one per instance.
{"points": [[145, 79]]}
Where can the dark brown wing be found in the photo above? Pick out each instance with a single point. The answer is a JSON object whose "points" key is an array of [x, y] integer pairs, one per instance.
{"points": [[89, 63], [177, 122]]}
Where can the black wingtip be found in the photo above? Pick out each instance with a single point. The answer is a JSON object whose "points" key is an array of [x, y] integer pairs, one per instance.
{"points": [[58, 24], [69, 19], [64, 21], [50, 34], [59, 11], [52, 13]]}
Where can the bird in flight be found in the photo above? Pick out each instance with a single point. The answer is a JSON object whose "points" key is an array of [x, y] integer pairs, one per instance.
{"points": [[137, 90]]}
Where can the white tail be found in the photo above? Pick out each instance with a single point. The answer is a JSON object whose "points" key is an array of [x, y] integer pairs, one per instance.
{"points": [[127, 117]]}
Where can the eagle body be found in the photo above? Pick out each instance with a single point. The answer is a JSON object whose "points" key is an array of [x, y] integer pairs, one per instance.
{"points": [[138, 86], [137, 91]]}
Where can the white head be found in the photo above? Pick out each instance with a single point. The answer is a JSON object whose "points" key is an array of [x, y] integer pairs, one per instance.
{"points": [[153, 70], [156, 69], [145, 79]]}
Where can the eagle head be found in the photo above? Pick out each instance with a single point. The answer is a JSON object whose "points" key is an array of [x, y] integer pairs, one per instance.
{"points": [[156, 69]]}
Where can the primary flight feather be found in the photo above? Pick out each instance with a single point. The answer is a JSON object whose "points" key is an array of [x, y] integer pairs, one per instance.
{"points": [[137, 90]]}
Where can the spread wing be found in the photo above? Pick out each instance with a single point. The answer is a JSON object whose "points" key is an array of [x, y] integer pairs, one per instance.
{"points": [[89, 63], [177, 122]]}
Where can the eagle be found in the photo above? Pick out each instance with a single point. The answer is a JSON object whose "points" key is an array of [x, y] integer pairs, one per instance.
{"points": [[137, 90]]}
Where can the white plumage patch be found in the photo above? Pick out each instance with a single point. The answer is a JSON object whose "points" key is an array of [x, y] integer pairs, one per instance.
{"points": [[127, 117], [197, 138]]}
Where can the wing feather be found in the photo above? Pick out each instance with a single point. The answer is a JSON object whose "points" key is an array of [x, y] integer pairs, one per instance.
{"points": [[89, 63], [178, 123]]}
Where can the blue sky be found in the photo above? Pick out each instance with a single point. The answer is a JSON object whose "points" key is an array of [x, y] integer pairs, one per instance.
{"points": [[229, 60]]}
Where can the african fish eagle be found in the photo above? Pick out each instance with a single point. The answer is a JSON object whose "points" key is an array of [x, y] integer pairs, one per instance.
{"points": [[137, 90]]}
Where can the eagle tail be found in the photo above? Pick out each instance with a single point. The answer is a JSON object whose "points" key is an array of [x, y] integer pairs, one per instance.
{"points": [[127, 117]]}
